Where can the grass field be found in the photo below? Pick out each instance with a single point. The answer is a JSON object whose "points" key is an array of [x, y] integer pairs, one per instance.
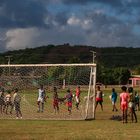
{"points": [[100, 129]]}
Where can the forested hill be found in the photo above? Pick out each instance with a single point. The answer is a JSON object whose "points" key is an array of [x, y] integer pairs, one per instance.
{"points": [[108, 57]]}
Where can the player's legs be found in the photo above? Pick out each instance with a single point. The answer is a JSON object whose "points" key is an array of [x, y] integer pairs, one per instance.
{"points": [[12, 106], [38, 103], [101, 105], [77, 102], [96, 104], [42, 106], [69, 107], [134, 113]]}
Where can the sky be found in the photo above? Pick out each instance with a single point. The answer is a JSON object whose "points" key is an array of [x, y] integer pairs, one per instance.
{"points": [[100, 23]]}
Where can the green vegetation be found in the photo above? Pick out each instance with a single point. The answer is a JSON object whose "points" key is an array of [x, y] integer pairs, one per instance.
{"points": [[114, 64]]}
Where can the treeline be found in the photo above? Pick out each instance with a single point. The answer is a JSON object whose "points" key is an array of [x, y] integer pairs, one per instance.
{"points": [[114, 64]]}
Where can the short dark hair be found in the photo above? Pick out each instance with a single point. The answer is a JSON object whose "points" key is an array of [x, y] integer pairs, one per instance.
{"points": [[68, 90], [124, 88], [130, 89], [113, 89]]}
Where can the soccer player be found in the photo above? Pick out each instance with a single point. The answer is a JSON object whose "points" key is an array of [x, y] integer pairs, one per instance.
{"points": [[69, 98], [77, 96], [41, 98], [137, 101], [2, 103], [55, 101], [99, 97], [8, 102], [124, 98], [17, 101], [132, 104], [114, 99]]}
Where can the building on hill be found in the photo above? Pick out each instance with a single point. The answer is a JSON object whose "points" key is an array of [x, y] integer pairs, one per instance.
{"points": [[134, 81]]}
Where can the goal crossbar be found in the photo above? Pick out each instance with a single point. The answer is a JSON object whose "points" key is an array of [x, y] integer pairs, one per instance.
{"points": [[49, 65]]}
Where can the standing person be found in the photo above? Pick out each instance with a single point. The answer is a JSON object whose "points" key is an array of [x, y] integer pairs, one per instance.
{"points": [[17, 101], [114, 99], [132, 104], [8, 102], [2, 103], [77, 97], [124, 98], [41, 98], [99, 97], [137, 101], [69, 97], [55, 101]]}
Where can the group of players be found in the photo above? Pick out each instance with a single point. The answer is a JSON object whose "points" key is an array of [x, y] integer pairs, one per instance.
{"points": [[56, 100], [9, 101], [128, 102]]}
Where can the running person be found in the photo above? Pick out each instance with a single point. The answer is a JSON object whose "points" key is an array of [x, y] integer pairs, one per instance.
{"points": [[17, 101], [41, 98], [55, 101], [124, 98], [69, 98], [99, 97], [77, 97]]}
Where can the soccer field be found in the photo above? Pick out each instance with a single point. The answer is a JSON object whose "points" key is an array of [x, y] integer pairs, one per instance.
{"points": [[100, 129]]}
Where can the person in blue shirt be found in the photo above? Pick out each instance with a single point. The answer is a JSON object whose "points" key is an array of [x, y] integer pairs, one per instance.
{"points": [[114, 99]]}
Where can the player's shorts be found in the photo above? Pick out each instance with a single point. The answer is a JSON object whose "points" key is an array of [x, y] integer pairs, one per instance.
{"points": [[69, 104], [124, 106], [77, 99], [40, 100], [55, 103], [99, 100], [113, 102], [131, 105]]}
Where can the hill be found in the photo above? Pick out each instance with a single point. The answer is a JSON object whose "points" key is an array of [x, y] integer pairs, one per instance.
{"points": [[108, 57]]}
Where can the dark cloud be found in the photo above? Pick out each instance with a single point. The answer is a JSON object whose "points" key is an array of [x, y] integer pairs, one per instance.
{"points": [[19, 13], [76, 1], [108, 2], [61, 18]]}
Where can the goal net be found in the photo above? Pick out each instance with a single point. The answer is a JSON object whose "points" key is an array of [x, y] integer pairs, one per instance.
{"points": [[69, 91]]}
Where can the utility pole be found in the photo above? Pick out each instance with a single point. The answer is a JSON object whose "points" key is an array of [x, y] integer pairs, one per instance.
{"points": [[93, 54], [9, 61], [9, 58]]}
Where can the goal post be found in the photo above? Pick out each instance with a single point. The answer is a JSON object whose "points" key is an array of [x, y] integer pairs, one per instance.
{"points": [[28, 77]]}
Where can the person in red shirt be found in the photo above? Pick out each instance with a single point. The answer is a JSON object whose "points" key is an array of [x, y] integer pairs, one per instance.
{"points": [[55, 101], [77, 97], [124, 99]]}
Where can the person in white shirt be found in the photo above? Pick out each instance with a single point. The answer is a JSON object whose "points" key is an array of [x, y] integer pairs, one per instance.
{"points": [[8, 102], [41, 98]]}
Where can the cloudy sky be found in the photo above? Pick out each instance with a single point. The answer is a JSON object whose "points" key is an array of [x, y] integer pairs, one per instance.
{"points": [[101, 23]]}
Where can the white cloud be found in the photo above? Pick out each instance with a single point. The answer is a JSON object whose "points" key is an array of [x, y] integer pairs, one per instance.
{"points": [[21, 38], [73, 21], [83, 23]]}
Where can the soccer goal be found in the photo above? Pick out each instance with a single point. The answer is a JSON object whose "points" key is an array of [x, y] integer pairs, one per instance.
{"points": [[64, 77]]}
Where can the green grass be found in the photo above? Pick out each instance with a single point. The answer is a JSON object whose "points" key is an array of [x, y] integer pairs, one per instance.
{"points": [[100, 129], [68, 130]]}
